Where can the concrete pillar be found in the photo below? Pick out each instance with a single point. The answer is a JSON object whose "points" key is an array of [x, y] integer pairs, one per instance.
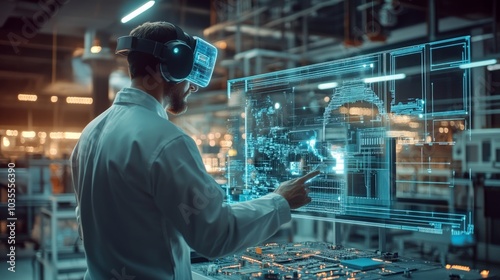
{"points": [[101, 70], [102, 63]]}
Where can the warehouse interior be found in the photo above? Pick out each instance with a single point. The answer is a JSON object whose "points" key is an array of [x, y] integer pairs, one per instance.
{"points": [[59, 71]]}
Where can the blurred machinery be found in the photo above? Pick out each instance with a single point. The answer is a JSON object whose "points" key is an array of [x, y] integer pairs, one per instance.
{"points": [[36, 180], [44, 214], [478, 153], [61, 253]]}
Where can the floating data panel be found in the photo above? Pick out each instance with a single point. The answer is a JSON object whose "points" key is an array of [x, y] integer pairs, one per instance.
{"points": [[380, 127], [434, 84]]}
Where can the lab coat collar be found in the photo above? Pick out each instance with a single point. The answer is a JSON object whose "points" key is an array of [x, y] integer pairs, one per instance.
{"points": [[141, 98]]}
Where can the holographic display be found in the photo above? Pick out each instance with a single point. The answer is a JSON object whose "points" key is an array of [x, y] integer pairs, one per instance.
{"points": [[380, 127]]}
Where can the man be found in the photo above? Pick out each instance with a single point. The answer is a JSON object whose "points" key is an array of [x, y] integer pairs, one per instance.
{"points": [[144, 196]]}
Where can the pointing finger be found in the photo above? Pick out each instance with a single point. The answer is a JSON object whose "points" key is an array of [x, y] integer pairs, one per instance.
{"points": [[309, 175]]}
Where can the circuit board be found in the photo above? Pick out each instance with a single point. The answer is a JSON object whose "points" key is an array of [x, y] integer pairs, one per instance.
{"points": [[320, 260]]}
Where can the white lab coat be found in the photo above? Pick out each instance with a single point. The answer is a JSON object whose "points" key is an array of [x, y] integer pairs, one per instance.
{"points": [[144, 197]]}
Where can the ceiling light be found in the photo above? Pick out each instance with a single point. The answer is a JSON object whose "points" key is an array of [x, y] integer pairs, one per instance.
{"points": [[65, 135], [95, 49], [138, 11], [478, 63], [6, 142], [79, 100], [11, 132], [28, 134], [384, 78], [327, 85], [493, 67], [72, 135], [27, 97]]}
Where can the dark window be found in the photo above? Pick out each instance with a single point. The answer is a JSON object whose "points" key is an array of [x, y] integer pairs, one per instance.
{"points": [[486, 151], [472, 153]]}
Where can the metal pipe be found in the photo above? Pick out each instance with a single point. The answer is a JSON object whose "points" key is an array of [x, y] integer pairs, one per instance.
{"points": [[494, 27], [302, 13], [305, 35], [238, 28], [432, 21], [218, 27], [32, 45], [267, 32], [262, 52], [318, 43], [54, 55]]}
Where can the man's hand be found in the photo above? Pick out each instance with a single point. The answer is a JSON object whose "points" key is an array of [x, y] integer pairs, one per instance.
{"points": [[295, 191]]}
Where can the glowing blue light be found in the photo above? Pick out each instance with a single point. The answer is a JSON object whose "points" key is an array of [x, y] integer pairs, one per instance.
{"points": [[384, 78], [328, 85], [340, 163], [176, 50], [277, 105], [478, 63], [312, 142], [138, 11]]}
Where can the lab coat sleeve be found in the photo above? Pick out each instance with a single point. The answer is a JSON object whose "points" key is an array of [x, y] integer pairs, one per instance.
{"points": [[192, 203]]}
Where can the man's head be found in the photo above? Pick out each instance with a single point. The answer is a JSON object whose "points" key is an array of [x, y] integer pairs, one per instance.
{"points": [[163, 32], [159, 77]]}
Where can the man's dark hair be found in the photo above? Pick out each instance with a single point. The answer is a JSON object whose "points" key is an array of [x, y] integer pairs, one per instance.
{"points": [[140, 62]]}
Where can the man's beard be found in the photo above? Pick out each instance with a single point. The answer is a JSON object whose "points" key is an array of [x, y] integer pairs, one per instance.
{"points": [[177, 105]]}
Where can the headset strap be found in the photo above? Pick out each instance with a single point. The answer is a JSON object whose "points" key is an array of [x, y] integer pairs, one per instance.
{"points": [[181, 35], [127, 44]]}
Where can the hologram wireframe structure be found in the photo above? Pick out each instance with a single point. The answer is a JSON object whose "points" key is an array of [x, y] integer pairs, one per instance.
{"points": [[379, 126]]}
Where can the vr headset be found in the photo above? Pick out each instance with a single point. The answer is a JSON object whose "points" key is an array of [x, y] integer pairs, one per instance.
{"points": [[185, 58]]}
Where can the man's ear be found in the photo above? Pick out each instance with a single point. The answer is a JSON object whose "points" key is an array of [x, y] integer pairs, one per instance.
{"points": [[155, 73]]}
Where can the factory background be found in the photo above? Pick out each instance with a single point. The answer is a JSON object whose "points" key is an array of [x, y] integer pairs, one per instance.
{"points": [[58, 71]]}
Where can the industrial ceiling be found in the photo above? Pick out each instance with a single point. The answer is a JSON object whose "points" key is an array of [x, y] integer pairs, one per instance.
{"points": [[42, 42]]}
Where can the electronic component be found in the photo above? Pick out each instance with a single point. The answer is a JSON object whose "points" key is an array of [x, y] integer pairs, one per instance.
{"points": [[362, 264], [320, 260]]}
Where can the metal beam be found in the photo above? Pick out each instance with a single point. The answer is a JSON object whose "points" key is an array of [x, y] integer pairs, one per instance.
{"points": [[302, 13], [220, 26]]}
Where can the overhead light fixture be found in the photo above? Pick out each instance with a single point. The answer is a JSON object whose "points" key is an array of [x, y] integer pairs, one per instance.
{"points": [[493, 67], [95, 49], [28, 134], [27, 97], [65, 135], [96, 44], [12, 132], [5, 142], [478, 63], [138, 11], [384, 78], [328, 85], [79, 100]]}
